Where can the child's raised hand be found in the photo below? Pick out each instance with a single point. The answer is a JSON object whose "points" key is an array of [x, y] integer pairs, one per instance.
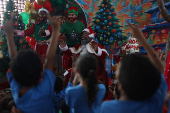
{"points": [[55, 22], [136, 31], [8, 26]]}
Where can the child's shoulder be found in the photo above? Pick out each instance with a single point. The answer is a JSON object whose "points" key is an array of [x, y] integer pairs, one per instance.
{"points": [[75, 90]]}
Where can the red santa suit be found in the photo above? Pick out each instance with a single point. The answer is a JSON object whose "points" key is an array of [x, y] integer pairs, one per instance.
{"points": [[101, 56]]}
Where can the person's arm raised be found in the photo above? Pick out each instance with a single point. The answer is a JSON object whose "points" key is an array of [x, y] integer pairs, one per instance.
{"points": [[137, 33], [55, 24], [8, 28]]}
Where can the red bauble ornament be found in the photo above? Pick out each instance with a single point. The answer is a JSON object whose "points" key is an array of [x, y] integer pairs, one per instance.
{"points": [[16, 23], [116, 23], [114, 30], [112, 7], [110, 17], [104, 27], [107, 10], [114, 13], [37, 6], [110, 23]]}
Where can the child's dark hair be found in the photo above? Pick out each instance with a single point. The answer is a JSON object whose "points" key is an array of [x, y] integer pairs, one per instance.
{"points": [[58, 85], [87, 65], [139, 77], [117, 91], [26, 68]]}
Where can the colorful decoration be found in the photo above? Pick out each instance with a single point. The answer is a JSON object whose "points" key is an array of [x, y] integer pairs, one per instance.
{"points": [[116, 23], [110, 17], [163, 31], [107, 10], [110, 23], [25, 16], [97, 20], [1, 55], [16, 23], [73, 35], [41, 2], [21, 41], [114, 13], [114, 30], [102, 5], [153, 31]]}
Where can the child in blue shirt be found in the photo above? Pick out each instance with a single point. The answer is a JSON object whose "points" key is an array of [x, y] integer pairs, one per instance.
{"points": [[140, 82], [29, 95], [88, 95], [59, 94]]}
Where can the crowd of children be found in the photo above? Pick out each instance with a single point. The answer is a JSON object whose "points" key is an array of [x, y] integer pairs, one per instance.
{"points": [[140, 88]]}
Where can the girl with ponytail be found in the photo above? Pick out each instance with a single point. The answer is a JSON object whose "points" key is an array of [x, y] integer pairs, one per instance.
{"points": [[88, 95]]}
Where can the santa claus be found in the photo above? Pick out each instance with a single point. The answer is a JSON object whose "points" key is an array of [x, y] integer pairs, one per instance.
{"points": [[88, 45]]}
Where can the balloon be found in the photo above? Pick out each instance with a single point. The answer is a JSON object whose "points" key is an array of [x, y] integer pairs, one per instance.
{"points": [[28, 38], [37, 6], [51, 9], [33, 14], [27, 3], [32, 41], [25, 22], [59, 2], [27, 9], [25, 16], [41, 2], [47, 5]]}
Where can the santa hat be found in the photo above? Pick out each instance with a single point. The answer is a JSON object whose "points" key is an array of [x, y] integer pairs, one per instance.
{"points": [[73, 10], [89, 30], [43, 9], [157, 48]]}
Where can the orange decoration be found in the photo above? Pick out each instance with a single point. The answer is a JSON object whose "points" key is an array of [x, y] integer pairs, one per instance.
{"points": [[110, 23], [163, 31], [114, 30], [110, 17], [116, 23], [114, 13], [102, 5], [107, 40], [104, 27], [112, 7], [107, 10]]}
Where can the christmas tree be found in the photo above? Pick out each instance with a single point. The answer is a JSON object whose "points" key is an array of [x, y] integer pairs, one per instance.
{"points": [[20, 42], [106, 27]]}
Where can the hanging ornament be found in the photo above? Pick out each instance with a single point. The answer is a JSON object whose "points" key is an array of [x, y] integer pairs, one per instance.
{"points": [[101, 38], [104, 27], [21, 41], [109, 17], [24, 46], [111, 38], [116, 23], [41, 2], [1, 55], [107, 40], [16, 23], [101, 10], [153, 31], [97, 20], [114, 30], [112, 7], [114, 13], [97, 27], [110, 23], [108, 33], [105, 21], [119, 33], [107, 10], [102, 5], [97, 16]]}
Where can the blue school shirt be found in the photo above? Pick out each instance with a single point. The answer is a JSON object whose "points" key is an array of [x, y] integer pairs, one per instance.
{"points": [[152, 105], [76, 99], [59, 97], [37, 99]]}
